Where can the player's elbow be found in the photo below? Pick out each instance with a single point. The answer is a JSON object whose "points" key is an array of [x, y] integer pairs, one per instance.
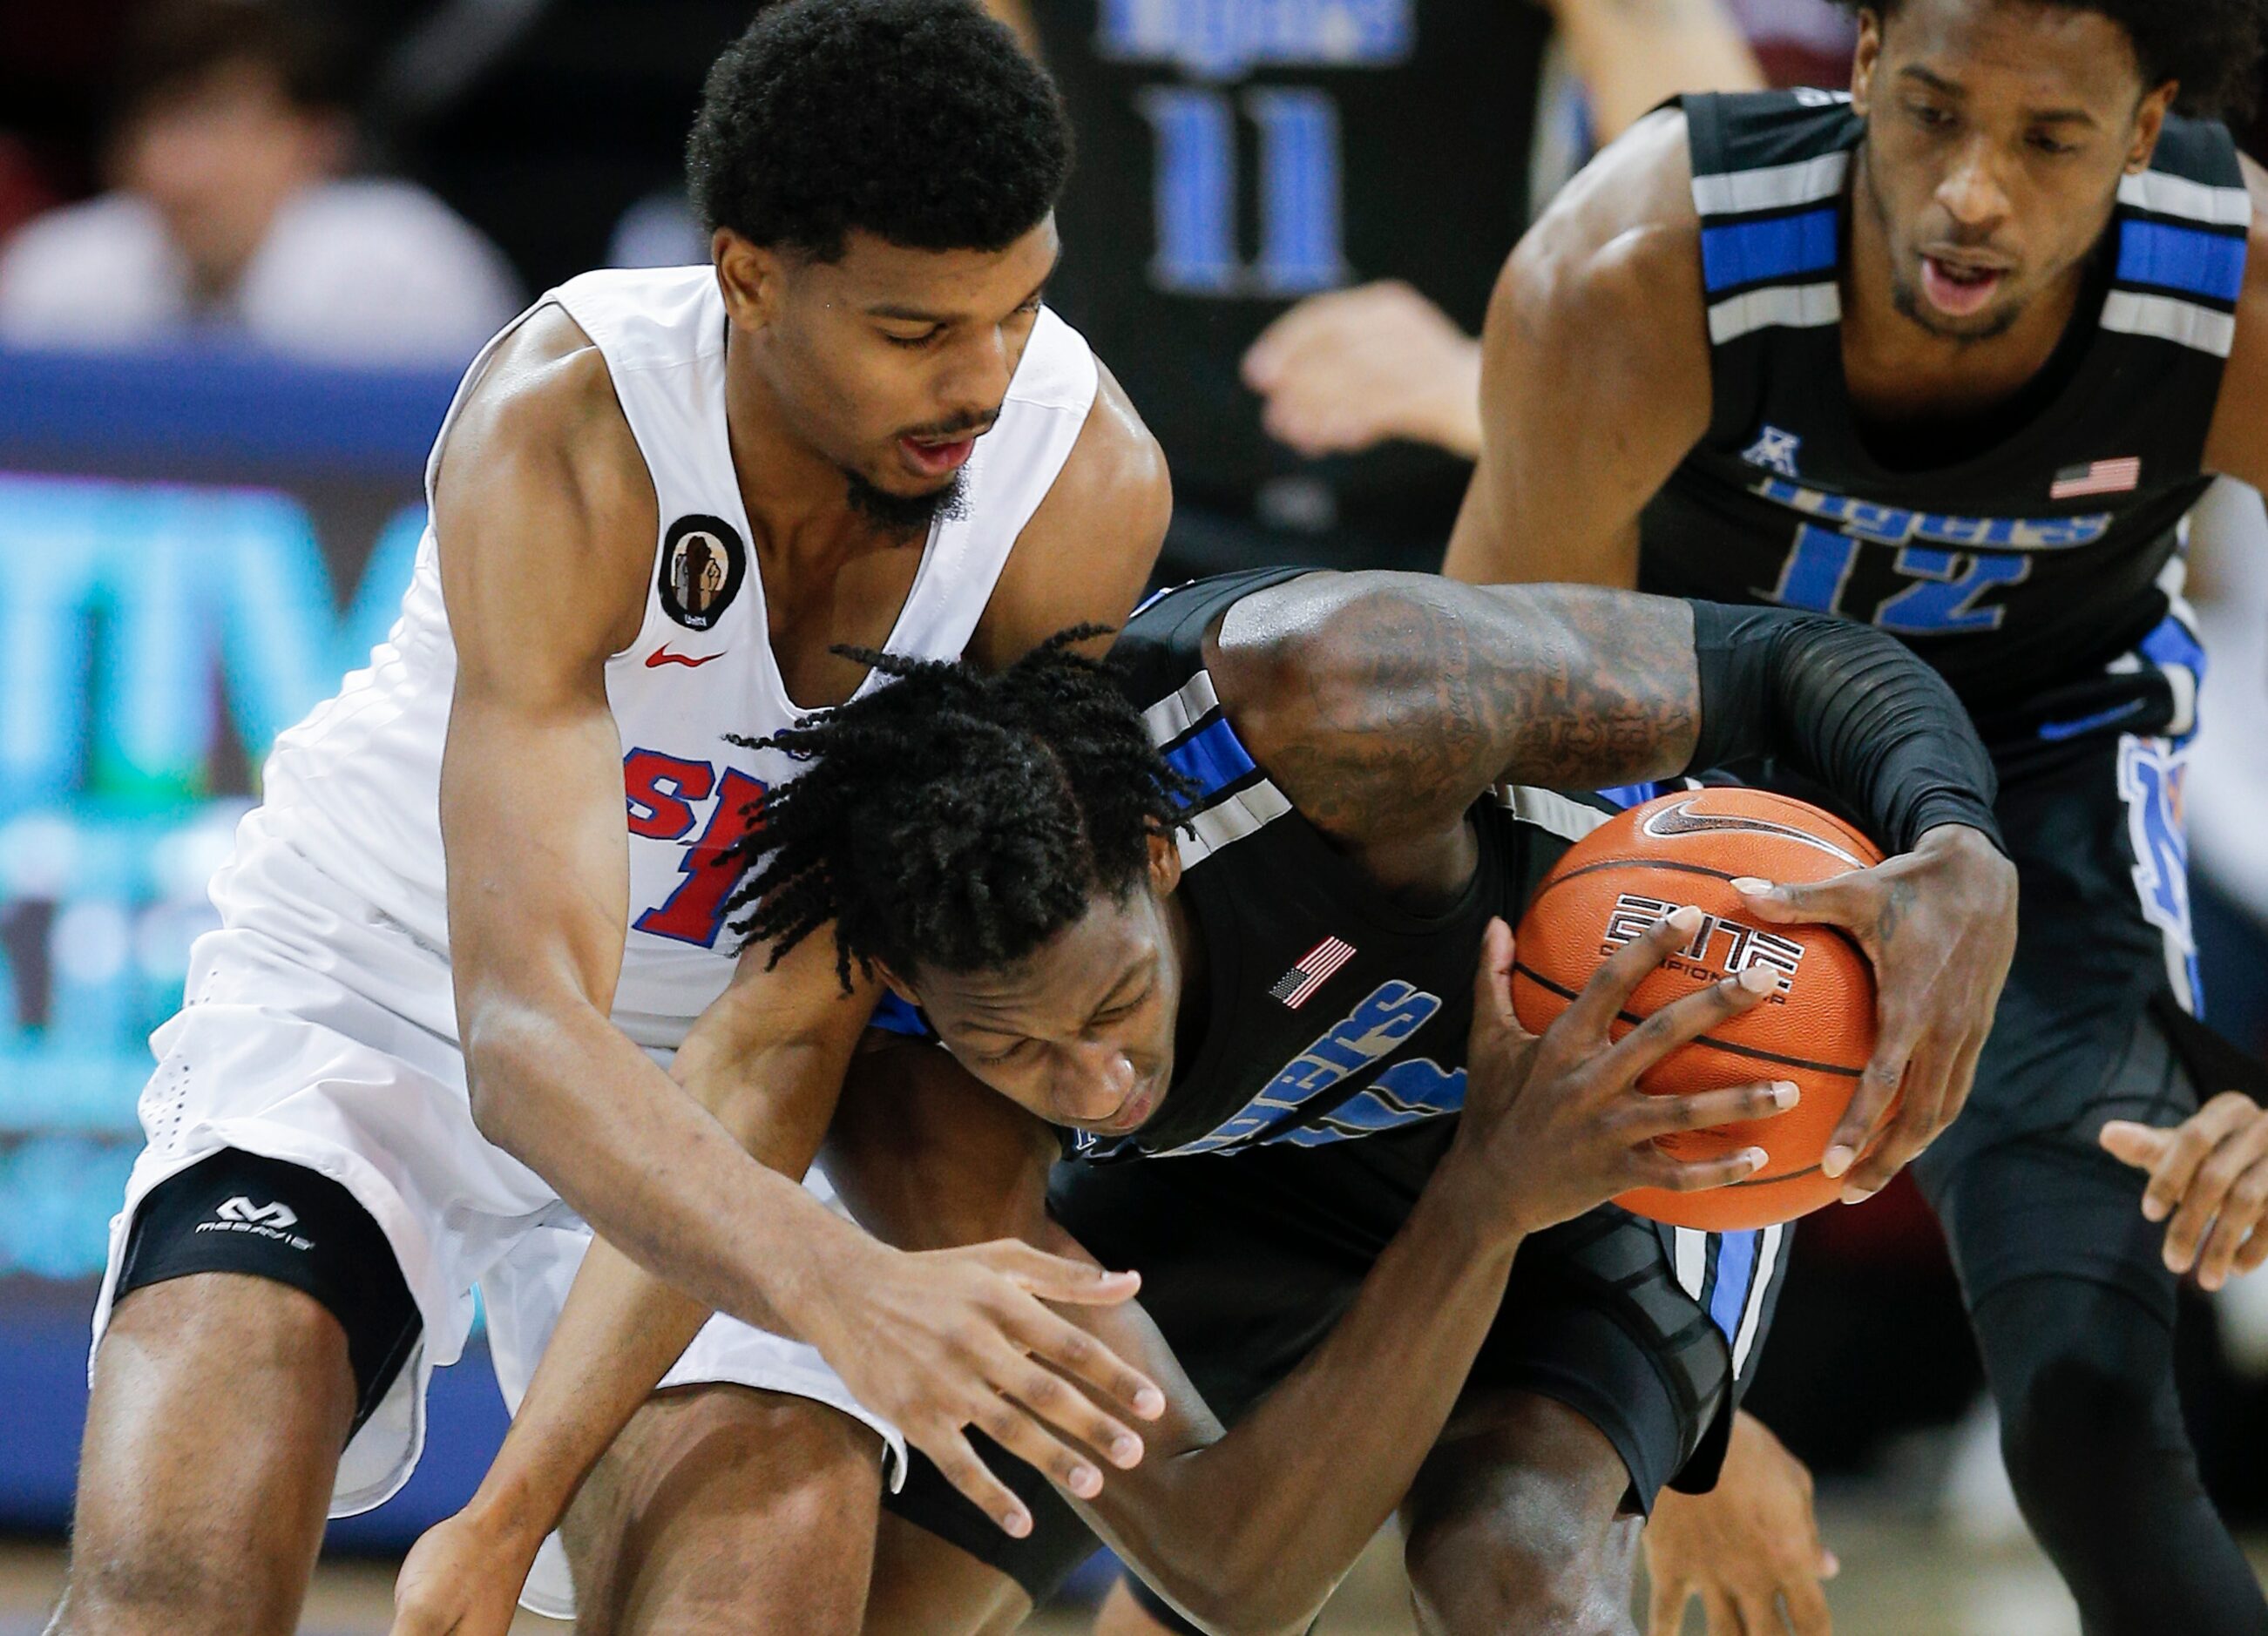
{"points": [[1247, 1598], [504, 1074]]}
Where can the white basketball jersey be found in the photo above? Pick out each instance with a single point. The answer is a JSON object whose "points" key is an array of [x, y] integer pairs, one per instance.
{"points": [[343, 861]]}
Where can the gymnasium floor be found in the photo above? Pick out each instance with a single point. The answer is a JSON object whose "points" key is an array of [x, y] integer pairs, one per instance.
{"points": [[1901, 1577]]}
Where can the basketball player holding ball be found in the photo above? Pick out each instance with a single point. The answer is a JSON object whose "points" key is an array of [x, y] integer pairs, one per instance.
{"points": [[1954, 356], [1217, 911]]}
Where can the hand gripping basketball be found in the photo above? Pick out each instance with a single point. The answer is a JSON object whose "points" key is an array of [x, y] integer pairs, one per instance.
{"points": [[1557, 1125]]}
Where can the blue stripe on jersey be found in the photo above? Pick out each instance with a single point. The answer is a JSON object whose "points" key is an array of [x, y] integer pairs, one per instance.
{"points": [[1622, 797], [1211, 759], [2173, 643], [1736, 1263], [894, 1015], [2181, 258], [2056, 732], [1750, 252]]}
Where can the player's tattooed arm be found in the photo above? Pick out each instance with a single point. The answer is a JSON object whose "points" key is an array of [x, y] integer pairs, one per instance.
{"points": [[1384, 704]]}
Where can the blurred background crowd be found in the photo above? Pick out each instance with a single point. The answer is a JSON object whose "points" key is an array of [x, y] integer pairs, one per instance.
{"points": [[246, 246]]}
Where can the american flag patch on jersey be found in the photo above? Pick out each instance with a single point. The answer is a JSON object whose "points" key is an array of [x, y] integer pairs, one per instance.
{"points": [[2104, 477], [1297, 985]]}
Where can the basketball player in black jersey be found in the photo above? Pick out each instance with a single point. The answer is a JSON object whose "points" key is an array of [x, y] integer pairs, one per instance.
{"points": [[1258, 222], [1261, 1038], [1953, 357]]}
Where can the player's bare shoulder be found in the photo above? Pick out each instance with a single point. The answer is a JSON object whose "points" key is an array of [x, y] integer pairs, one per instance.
{"points": [[1614, 263], [1088, 550], [2238, 444], [541, 492]]}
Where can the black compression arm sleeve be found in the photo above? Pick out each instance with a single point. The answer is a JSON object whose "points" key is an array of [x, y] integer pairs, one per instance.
{"points": [[1848, 706]]}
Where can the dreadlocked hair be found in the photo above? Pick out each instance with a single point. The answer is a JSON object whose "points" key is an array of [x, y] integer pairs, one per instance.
{"points": [[2213, 47], [957, 819]]}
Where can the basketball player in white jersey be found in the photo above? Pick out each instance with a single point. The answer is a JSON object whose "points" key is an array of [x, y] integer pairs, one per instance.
{"points": [[429, 1040]]}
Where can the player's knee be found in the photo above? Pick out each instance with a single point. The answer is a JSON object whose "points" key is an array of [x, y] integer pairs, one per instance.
{"points": [[213, 1328], [2072, 1423], [687, 1513], [1532, 1559], [156, 1585], [220, 1404]]}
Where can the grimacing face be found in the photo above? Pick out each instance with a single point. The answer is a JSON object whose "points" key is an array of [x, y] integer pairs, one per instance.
{"points": [[891, 361], [1997, 133], [1081, 1033]]}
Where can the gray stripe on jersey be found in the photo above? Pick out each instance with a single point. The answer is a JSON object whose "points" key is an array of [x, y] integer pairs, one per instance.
{"points": [[2162, 194], [2182, 322], [1759, 1287], [1774, 188], [1777, 307], [1245, 813], [1173, 716], [1570, 820]]}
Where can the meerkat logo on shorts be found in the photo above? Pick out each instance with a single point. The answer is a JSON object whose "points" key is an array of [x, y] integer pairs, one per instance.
{"points": [[703, 563]]}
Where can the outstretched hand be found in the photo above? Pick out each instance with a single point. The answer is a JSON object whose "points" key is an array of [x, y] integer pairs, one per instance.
{"points": [[1940, 925], [1746, 1549], [1344, 371], [936, 1341], [2209, 1174]]}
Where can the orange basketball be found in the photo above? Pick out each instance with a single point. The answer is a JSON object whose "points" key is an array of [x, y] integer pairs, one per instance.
{"points": [[1818, 1030]]}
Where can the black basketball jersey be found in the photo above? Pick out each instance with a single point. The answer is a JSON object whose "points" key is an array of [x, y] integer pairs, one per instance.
{"points": [[1330, 1012], [1234, 159], [2026, 566]]}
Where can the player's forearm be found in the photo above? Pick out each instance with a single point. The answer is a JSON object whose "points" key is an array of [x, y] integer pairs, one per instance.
{"points": [[619, 1333], [1633, 55], [649, 1168], [1848, 704], [1250, 1534], [766, 1060]]}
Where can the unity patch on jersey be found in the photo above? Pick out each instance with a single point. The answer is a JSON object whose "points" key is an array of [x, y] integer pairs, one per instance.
{"points": [[703, 563]]}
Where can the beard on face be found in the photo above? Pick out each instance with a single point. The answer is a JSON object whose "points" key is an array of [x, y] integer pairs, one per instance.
{"points": [[908, 517]]}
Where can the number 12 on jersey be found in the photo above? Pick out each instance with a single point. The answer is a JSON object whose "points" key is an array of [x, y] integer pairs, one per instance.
{"points": [[1945, 596]]}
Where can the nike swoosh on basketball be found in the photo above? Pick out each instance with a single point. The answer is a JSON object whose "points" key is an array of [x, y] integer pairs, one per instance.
{"points": [[662, 655], [1681, 819]]}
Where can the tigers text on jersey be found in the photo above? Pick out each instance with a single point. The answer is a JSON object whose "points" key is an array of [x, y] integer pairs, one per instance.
{"points": [[1333, 1012], [350, 824], [2024, 567]]}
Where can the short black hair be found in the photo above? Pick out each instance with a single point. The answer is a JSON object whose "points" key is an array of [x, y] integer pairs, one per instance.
{"points": [[177, 45], [2213, 47], [956, 820], [924, 122]]}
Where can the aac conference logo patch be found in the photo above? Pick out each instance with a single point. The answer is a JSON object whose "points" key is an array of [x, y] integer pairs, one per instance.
{"points": [[703, 563]]}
